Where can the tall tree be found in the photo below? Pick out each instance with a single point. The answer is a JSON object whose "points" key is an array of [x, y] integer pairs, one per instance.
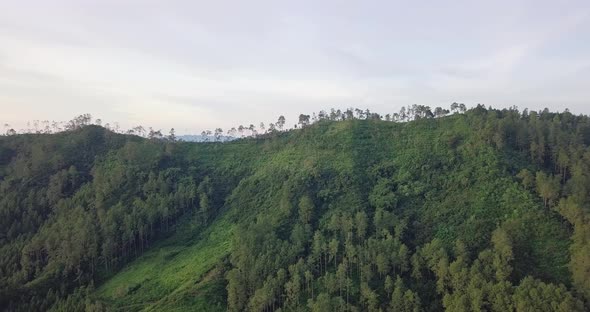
{"points": [[547, 186], [281, 122]]}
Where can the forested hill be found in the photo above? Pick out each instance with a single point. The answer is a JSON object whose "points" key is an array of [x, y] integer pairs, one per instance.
{"points": [[486, 210]]}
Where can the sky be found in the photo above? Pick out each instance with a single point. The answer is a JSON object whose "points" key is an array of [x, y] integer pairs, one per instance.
{"points": [[196, 65]]}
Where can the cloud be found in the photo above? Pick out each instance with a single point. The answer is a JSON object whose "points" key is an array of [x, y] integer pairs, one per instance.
{"points": [[201, 64]]}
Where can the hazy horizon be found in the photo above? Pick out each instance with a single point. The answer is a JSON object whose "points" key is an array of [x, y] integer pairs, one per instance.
{"points": [[196, 65]]}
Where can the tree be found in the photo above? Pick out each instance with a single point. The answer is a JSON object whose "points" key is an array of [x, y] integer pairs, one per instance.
{"points": [[388, 286], [440, 112], [218, 134], [322, 303], [309, 283], [237, 294], [172, 135], [317, 248], [563, 161], [333, 249], [341, 276], [154, 135], [349, 114], [369, 298], [580, 247], [503, 254], [293, 288], [79, 122], [403, 299], [139, 130], [306, 208], [281, 122], [527, 178], [462, 108], [303, 120], [403, 258], [402, 113], [205, 190], [547, 187], [382, 263], [361, 223]]}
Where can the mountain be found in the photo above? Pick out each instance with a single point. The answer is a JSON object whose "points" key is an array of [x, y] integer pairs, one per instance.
{"points": [[483, 210]]}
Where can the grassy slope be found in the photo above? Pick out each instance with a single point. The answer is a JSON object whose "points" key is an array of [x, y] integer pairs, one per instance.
{"points": [[173, 275]]}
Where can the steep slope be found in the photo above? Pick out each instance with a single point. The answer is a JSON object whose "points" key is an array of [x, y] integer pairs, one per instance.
{"points": [[485, 210]]}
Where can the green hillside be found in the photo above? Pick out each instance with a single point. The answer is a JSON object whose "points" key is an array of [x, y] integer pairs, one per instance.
{"points": [[485, 210]]}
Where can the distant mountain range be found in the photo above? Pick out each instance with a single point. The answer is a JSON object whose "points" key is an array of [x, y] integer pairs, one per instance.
{"points": [[201, 138]]}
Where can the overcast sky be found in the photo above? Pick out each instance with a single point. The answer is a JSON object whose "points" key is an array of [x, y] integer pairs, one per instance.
{"points": [[202, 64]]}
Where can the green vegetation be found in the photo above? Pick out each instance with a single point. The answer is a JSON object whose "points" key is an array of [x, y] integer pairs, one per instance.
{"points": [[173, 274], [479, 210]]}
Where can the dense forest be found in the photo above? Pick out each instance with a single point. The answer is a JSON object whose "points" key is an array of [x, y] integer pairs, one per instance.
{"points": [[421, 210]]}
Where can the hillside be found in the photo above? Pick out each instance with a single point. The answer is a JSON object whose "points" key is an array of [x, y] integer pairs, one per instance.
{"points": [[486, 210]]}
